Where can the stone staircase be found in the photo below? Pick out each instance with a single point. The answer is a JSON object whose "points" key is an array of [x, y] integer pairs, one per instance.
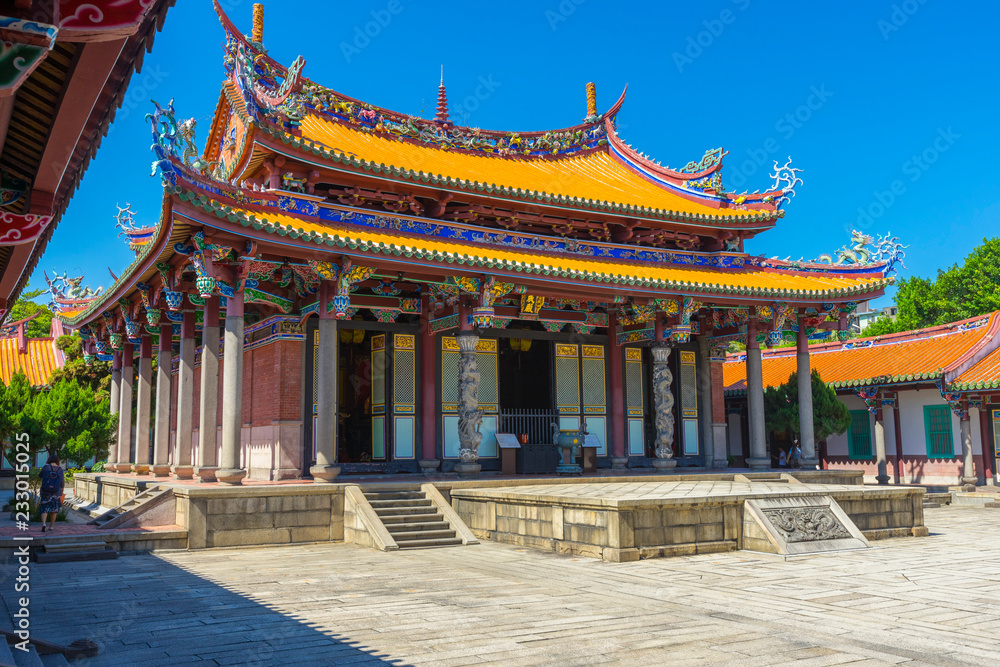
{"points": [[74, 551], [412, 519], [142, 501]]}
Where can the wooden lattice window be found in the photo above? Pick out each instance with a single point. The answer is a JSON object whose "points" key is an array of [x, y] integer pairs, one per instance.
{"points": [[937, 430], [860, 436]]}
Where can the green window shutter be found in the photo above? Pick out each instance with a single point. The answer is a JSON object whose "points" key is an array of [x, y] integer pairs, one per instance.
{"points": [[860, 442], [937, 431]]}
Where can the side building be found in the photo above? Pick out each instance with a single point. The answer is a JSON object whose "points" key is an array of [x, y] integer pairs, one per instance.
{"points": [[339, 287], [929, 398]]}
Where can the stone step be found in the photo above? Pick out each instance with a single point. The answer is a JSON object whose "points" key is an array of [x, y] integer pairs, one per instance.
{"points": [[410, 502], [29, 658], [64, 547], [420, 535], [394, 495], [405, 526], [383, 512], [75, 556], [931, 505], [436, 542], [391, 521]]}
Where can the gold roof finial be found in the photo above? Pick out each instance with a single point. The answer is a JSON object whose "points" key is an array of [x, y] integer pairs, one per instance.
{"points": [[258, 22], [591, 100]]}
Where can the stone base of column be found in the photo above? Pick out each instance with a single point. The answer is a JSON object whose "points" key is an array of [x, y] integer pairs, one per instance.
{"points": [[468, 469], [118, 467], [720, 464], [969, 483], [140, 469], [205, 474], [882, 479], [809, 464], [759, 464], [619, 462], [159, 471], [286, 473], [182, 472], [233, 476], [324, 474], [664, 465], [429, 466]]}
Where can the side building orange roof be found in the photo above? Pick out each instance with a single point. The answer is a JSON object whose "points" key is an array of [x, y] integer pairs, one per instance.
{"points": [[38, 361], [911, 356]]}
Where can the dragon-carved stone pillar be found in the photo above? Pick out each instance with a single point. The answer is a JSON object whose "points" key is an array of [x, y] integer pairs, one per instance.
{"points": [[663, 409], [469, 415]]}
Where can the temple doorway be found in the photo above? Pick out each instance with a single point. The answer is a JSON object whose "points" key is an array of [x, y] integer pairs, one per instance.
{"points": [[526, 388], [354, 422]]}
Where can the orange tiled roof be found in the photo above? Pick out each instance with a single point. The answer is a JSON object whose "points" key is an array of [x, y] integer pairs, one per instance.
{"points": [[595, 176], [984, 375], [38, 362], [904, 357]]}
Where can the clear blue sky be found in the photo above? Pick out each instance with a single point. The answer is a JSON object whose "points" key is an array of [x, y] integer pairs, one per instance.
{"points": [[866, 96]]}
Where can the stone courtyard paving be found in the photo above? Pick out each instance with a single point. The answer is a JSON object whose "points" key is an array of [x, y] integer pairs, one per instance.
{"points": [[916, 601]]}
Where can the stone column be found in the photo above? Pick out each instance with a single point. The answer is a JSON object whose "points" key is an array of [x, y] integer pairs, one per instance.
{"points": [[116, 386], [125, 411], [326, 469], [469, 414], [183, 468], [880, 459], [969, 478], [619, 459], [229, 471], [705, 412], [428, 391], [663, 409], [807, 439], [755, 400], [985, 427], [720, 429], [143, 406], [208, 396], [161, 436]]}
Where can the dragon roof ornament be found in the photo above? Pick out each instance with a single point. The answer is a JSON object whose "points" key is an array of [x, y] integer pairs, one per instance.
{"points": [[137, 236], [786, 177], [67, 292]]}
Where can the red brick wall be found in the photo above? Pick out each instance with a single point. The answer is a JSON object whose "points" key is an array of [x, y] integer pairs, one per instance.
{"points": [[272, 383], [718, 394]]}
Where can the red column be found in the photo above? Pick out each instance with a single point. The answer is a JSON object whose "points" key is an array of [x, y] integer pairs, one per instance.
{"points": [[900, 472], [428, 388], [617, 390], [984, 439]]}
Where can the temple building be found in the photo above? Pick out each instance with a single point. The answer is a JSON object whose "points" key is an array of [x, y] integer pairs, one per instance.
{"points": [[336, 287], [925, 404]]}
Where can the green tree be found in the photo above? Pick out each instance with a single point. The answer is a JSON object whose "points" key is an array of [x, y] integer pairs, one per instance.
{"points": [[73, 422], [96, 376], [781, 408], [17, 404], [25, 306]]}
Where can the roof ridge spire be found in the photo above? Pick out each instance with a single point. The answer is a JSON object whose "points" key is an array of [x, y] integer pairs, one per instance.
{"points": [[442, 107]]}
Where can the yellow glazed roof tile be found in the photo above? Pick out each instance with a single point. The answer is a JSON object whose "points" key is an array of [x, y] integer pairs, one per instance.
{"points": [[681, 276], [596, 176]]}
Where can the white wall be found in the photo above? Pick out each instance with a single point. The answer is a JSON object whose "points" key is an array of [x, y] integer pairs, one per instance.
{"points": [[912, 423]]}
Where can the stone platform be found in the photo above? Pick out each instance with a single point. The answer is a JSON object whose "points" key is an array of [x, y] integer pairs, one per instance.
{"points": [[626, 521], [611, 516]]}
